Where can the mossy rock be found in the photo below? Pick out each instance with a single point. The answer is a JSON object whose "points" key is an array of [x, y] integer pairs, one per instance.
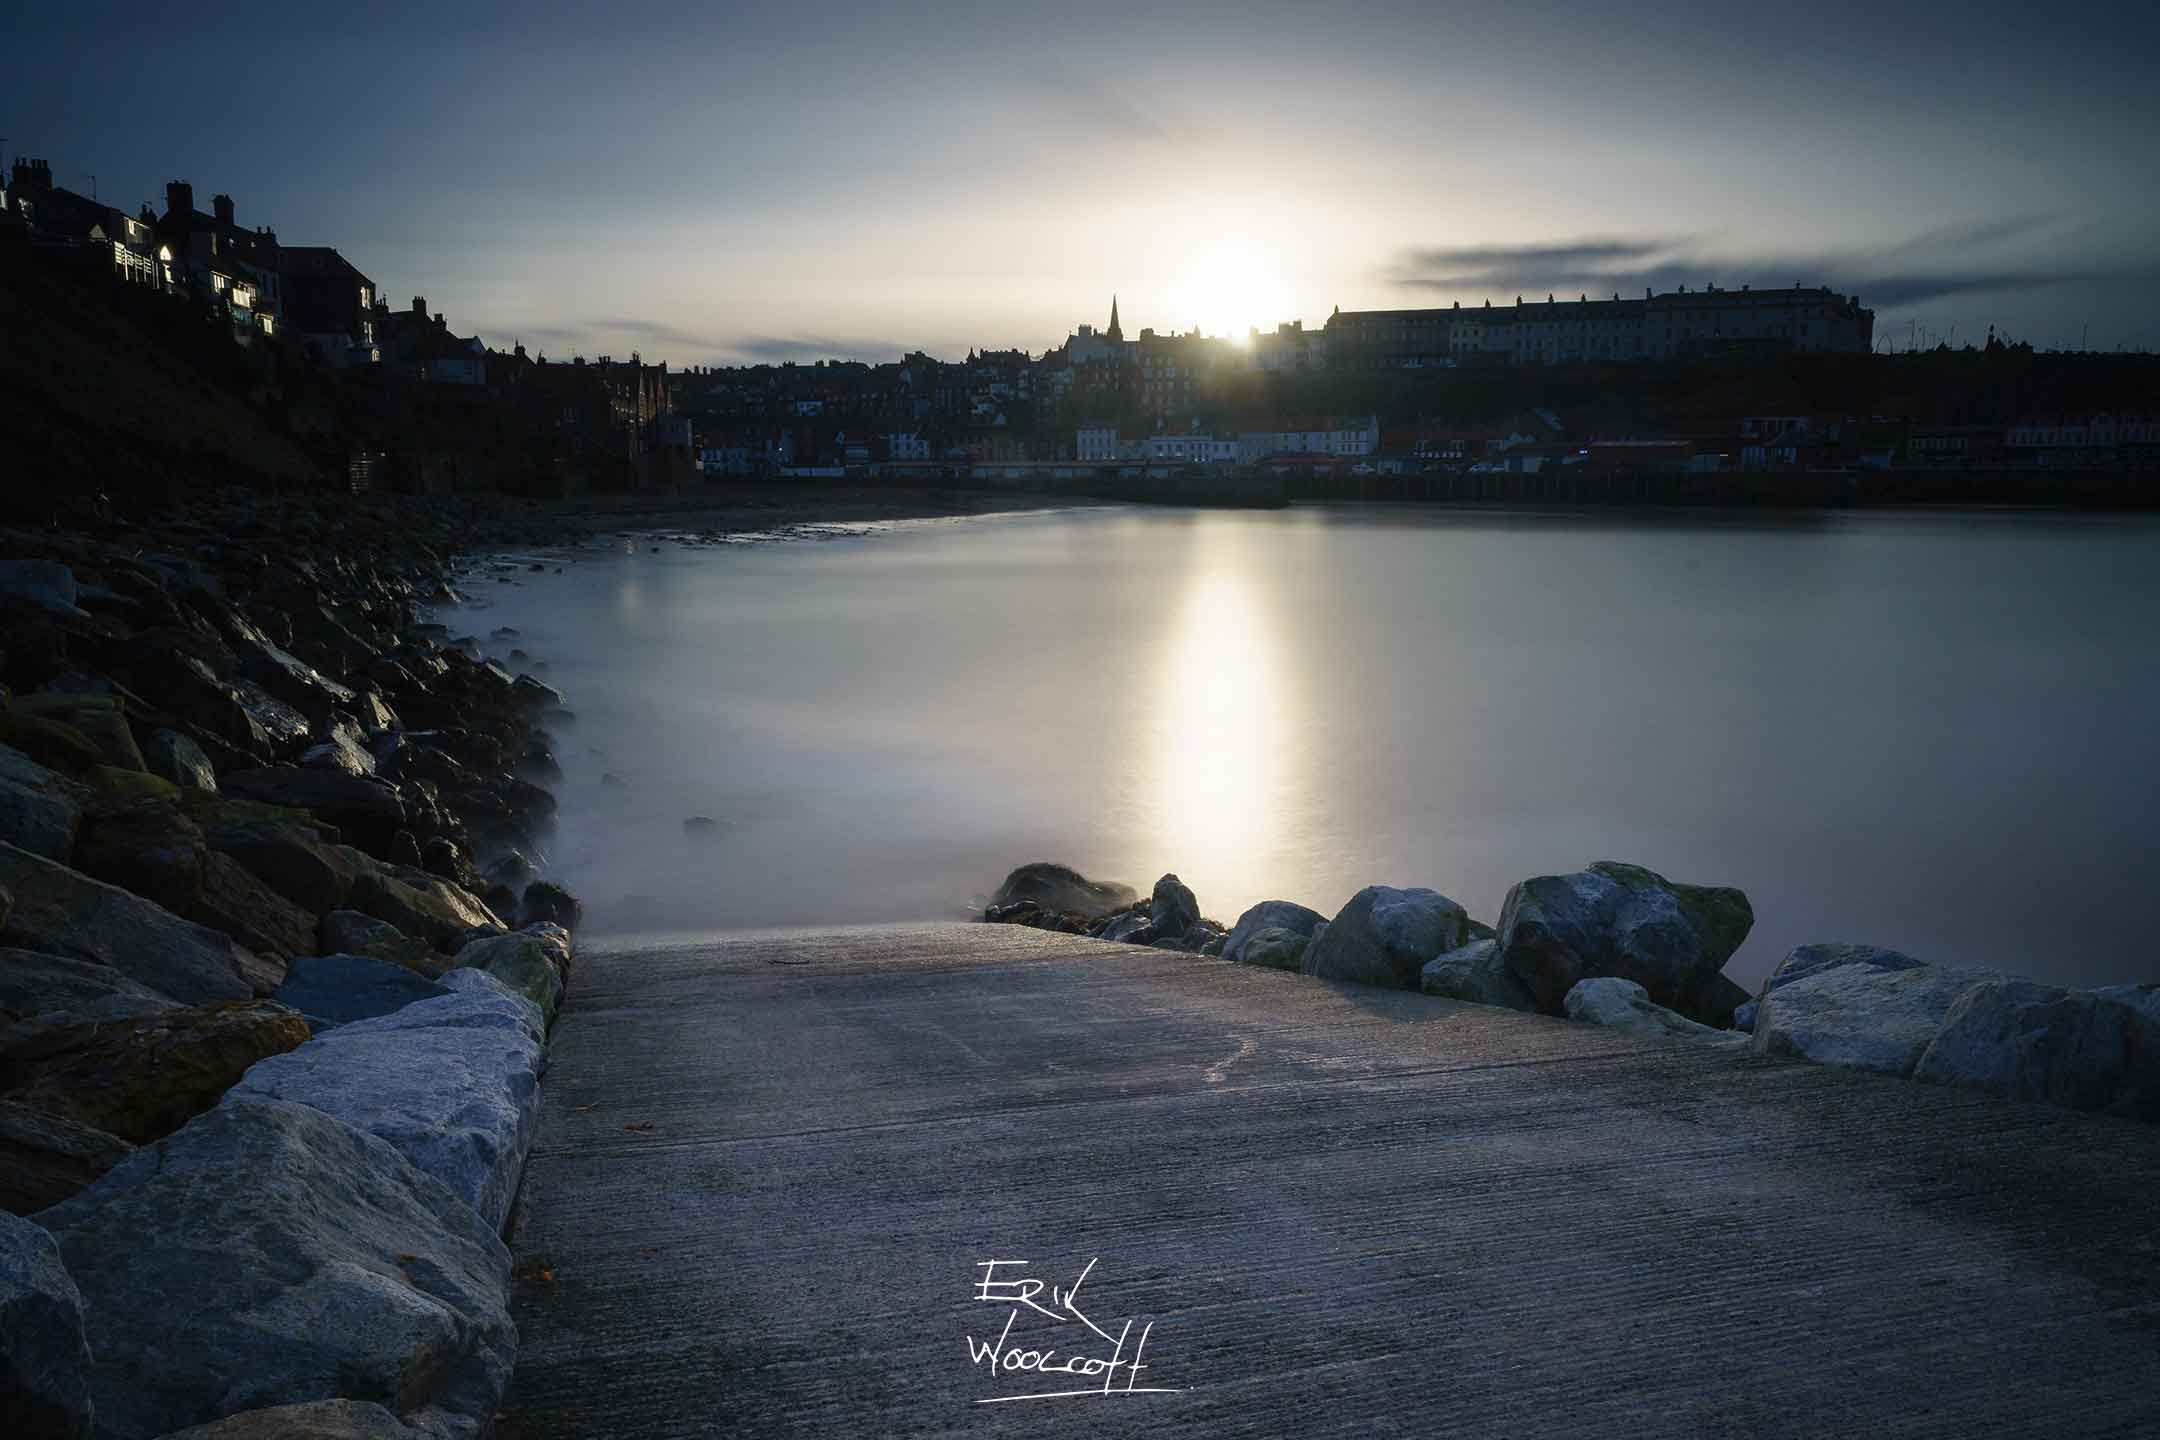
{"points": [[53, 744], [113, 783], [208, 807], [101, 719]]}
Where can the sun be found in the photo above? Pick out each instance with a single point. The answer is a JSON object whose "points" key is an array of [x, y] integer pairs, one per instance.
{"points": [[1228, 289]]}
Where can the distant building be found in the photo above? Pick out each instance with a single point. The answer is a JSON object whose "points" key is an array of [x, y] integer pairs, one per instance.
{"points": [[1096, 441], [1192, 449], [1705, 322], [1311, 436], [331, 304]]}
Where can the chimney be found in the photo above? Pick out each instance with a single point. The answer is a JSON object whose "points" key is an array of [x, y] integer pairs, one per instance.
{"points": [[222, 207], [179, 199], [419, 306], [32, 175]]}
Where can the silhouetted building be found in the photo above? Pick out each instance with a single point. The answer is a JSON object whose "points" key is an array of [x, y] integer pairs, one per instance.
{"points": [[331, 304]]}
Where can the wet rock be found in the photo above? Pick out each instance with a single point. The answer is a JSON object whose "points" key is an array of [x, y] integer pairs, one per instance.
{"points": [[44, 1360], [512, 869], [283, 728], [535, 695], [332, 990], [143, 1078], [1859, 1015], [546, 902], [534, 962], [288, 677], [1477, 973], [1624, 1005], [2025, 1041], [45, 1159], [312, 1260], [173, 756], [1623, 920], [40, 808], [420, 904], [148, 847], [63, 912], [1269, 915], [1172, 906], [367, 812], [1063, 889], [1277, 947], [1385, 936], [342, 749], [257, 918], [1130, 927], [452, 1081]]}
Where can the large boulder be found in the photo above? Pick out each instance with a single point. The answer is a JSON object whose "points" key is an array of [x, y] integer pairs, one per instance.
{"points": [[100, 719], [534, 962], [1624, 1005], [1269, 915], [32, 983], [1858, 1014], [452, 1081], [265, 922], [1805, 960], [44, 1360], [62, 912], [1476, 973], [44, 1159], [1274, 947], [146, 846], [348, 932], [1386, 936], [2026, 1041], [49, 743], [420, 904], [1615, 919], [291, 858], [332, 990], [144, 1077], [311, 1420], [40, 808], [1055, 887], [1172, 908], [312, 1262], [366, 811], [341, 748], [546, 902], [46, 584], [173, 756]]}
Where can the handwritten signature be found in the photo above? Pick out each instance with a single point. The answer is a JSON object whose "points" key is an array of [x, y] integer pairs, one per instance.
{"points": [[1024, 1292]]}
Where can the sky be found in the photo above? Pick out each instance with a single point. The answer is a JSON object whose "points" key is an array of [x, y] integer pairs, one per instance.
{"points": [[713, 183]]}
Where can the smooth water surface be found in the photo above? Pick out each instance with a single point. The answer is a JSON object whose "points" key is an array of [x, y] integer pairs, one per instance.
{"points": [[1926, 730]]}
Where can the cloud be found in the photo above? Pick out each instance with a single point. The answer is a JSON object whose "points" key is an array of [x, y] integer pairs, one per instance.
{"points": [[779, 349], [1953, 260]]}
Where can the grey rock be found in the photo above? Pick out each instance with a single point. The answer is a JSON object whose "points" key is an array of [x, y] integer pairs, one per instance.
{"points": [[44, 1360], [1275, 947], [511, 1004], [343, 749], [1055, 887], [2075, 1048], [1476, 973], [366, 811], [534, 962], [312, 1262], [291, 858], [348, 932], [47, 584], [40, 809], [45, 1158], [1172, 907], [2145, 999], [1270, 915], [1805, 960], [175, 757], [61, 912], [1859, 1016], [453, 1082], [1386, 936], [420, 904], [1618, 919], [1619, 1004], [32, 983], [332, 990], [549, 903], [1129, 928]]}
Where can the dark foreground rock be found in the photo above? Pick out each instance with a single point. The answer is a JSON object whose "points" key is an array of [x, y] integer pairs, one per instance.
{"points": [[1269, 915], [1622, 920], [63, 912], [40, 808], [1386, 936], [2025, 1041], [44, 1159], [312, 1261], [1476, 973], [314, 1420], [333, 990], [44, 1362], [1060, 888]]}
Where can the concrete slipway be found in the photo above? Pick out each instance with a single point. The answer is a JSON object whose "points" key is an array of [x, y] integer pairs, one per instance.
{"points": [[771, 1167]]}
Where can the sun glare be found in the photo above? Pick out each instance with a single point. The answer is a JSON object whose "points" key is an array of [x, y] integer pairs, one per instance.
{"points": [[1228, 290]]}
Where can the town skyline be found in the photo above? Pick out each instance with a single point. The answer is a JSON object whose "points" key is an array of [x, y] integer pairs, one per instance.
{"points": [[662, 193]]}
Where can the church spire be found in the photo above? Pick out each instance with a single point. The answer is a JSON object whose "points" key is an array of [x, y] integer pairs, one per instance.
{"points": [[1114, 333]]}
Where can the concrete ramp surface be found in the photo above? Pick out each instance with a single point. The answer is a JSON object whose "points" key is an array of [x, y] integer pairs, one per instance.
{"points": [[772, 1168]]}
